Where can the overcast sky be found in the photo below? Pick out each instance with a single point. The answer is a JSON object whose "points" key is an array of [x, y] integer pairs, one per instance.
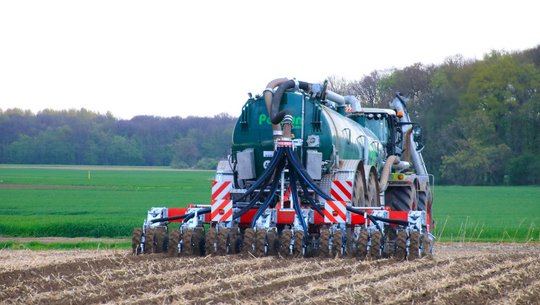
{"points": [[180, 58]]}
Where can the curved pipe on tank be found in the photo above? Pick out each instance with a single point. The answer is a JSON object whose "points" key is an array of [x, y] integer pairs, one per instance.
{"points": [[268, 94], [277, 116], [383, 182]]}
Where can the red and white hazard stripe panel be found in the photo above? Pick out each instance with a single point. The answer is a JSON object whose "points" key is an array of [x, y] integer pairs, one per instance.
{"points": [[341, 190], [221, 190], [221, 210], [335, 211]]}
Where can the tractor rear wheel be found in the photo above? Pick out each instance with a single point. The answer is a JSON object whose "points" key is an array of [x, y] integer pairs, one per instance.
{"points": [[401, 198]]}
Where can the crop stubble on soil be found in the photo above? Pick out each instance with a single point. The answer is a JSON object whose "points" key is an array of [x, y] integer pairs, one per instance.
{"points": [[458, 274]]}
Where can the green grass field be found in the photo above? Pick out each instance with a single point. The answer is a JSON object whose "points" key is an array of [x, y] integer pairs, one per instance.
{"points": [[90, 202]]}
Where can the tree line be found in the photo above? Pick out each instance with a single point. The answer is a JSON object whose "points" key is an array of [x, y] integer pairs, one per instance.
{"points": [[481, 118], [481, 123], [85, 137]]}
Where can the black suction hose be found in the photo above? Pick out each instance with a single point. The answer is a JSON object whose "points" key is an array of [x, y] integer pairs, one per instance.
{"points": [[275, 116]]}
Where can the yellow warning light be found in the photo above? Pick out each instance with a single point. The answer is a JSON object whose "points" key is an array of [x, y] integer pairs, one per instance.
{"points": [[400, 114]]}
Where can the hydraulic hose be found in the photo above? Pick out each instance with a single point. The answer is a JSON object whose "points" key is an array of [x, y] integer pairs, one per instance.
{"points": [[273, 190], [269, 170], [192, 214], [256, 198], [292, 158], [201, 211], [296, 202], [311, 202]]}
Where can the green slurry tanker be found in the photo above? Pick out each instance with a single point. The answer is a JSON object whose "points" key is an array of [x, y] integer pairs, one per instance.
{"points": [[311, 174]]}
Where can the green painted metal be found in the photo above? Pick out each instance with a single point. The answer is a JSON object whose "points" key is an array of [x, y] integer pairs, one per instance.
{"points": [[336, 132]]}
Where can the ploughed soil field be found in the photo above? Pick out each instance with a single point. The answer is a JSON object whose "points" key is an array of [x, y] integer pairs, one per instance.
{"points": [[457, 274]]}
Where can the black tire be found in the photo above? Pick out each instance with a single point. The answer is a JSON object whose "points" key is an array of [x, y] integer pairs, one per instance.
{"points": [[363, 239], [324, 241], [422, 201], [198, 241], [174, 239], [235, 242], [359, 194], [337, 244], [401, 246], [247, 241], [400, 198], [425, 246], [375, 247], [136, 241], [414, 246], [222, 240], [210, 243], [149, 240], [372, 193], [187, 245], [260, 243], [352, 243], [273, 243], [160, 240], [298, 247], [284, 243], [389, 246]]}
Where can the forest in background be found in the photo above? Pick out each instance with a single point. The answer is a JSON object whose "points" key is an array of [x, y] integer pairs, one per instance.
{"points": [[480, 118]]}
